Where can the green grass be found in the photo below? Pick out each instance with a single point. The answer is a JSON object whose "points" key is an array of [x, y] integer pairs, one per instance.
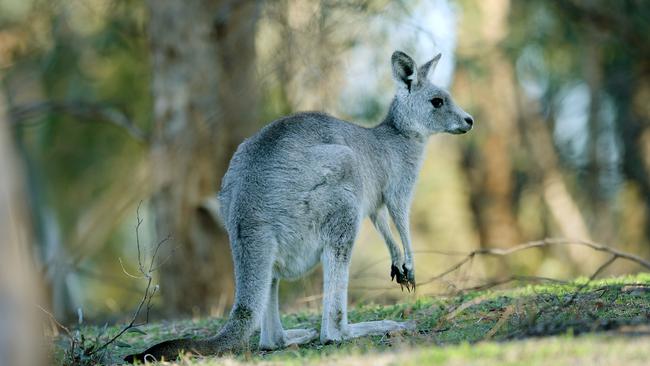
{"points": [[604, 322]]}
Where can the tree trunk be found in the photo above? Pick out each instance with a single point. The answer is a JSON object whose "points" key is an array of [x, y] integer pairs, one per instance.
{"points": [[204, 102], [491, 174], [19, 317], [634, 129], [600, 211], [562, 206]]}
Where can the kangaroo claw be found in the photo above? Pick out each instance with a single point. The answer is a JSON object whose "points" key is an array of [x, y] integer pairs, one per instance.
{"points": [[402, 276], [394, 272]]}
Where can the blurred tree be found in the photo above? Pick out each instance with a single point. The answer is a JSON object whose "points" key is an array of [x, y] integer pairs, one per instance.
{"points": [[205, 102], [76, 76], [525, 174], [598, 44], [20, 326], [615, 30], [491, 161]]}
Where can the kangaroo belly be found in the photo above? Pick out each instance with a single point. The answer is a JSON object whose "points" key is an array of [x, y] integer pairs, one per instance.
{"points": [[297, 256], [301, 243]]}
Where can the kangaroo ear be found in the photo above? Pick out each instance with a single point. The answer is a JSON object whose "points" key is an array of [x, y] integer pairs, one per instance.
{"points": [[425, 71], [404, 69]]}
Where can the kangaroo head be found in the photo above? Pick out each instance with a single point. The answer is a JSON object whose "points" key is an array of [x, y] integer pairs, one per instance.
{"points": [[421, 107]]}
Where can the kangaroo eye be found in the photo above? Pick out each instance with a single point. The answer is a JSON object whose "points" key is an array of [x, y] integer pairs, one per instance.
{"points": [[437, 102]]}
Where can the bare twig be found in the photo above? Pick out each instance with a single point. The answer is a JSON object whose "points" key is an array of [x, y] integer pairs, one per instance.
{"points": [[127, 272], [515, 278], [53, 319], [153, 292], [145, 299], [509, 310], [79, 352], [155, 253], [137, 238], [149, 292], [85, 111], [591, 278], [488, 284], [538, 244], [602, 267], [498, 252]]}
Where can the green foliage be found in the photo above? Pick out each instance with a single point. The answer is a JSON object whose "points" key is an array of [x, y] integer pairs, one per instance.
{"points": [[77, 62]]}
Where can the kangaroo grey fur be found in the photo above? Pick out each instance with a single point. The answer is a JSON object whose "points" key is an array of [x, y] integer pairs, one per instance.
{"points": [[295, 194]]}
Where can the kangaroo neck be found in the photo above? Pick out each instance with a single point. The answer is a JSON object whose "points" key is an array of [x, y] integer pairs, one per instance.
{"points": [[404, 149]]}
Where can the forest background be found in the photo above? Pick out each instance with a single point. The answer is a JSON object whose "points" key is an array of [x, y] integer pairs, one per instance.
{"points": [[108, 104]]}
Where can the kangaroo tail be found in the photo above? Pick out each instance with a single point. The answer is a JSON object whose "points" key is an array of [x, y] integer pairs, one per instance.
{"points": [[212, 206], [232, 336], [253, 272]]}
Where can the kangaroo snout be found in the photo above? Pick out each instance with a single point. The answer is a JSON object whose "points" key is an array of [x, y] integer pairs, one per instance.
{"points": [[469, 122]]}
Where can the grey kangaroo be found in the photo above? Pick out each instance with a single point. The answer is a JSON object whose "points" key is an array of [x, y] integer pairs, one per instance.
{"points": [[294, 196]]}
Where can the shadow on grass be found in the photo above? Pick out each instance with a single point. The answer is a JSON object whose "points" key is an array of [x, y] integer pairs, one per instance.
{"points": [[504, 315], [501, 316], [538, 312]]}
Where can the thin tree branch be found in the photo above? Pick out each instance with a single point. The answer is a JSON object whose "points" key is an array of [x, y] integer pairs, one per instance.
{"points": [[145, 299], [77, 345], [137, 237], [85, 111], [498, 252], [591, 278], [58, 324], [539, 244]]}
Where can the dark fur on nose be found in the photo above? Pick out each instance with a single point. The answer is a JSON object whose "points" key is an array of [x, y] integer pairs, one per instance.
{"points": [[469, 120]]}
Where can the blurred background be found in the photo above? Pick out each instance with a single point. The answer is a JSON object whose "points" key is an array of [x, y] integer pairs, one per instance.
{"points": [[111, 103]]}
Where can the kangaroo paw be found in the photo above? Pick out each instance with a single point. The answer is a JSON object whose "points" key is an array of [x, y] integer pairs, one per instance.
{"points": [[403, 276]]}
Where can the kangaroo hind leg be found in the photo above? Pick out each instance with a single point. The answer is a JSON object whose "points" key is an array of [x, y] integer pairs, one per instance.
{"points": [[272, 335], [339, 232]]}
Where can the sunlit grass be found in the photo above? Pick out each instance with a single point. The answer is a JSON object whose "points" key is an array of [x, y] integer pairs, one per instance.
{"points": [[574, 323]]}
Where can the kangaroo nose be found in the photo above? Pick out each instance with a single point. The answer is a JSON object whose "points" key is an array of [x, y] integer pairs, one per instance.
{"points": [[469, 120]]}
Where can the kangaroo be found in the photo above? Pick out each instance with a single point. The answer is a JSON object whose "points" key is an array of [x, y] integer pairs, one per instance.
{"points": [[294, 196]]}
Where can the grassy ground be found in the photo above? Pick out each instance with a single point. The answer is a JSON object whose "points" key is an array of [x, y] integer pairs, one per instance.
{"points": [[598, 322]]}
